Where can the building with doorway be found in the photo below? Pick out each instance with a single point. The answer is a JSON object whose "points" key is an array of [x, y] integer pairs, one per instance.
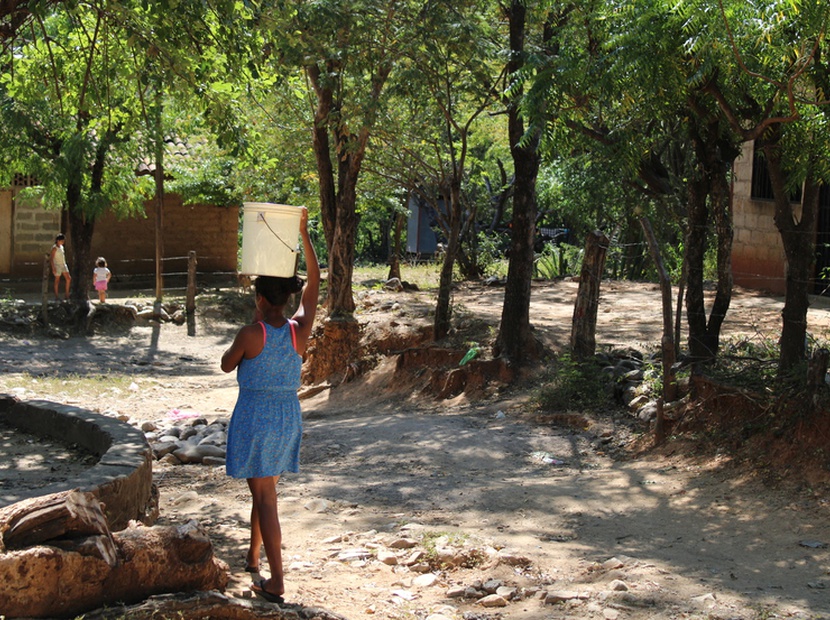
{"points": [[758, 259]]}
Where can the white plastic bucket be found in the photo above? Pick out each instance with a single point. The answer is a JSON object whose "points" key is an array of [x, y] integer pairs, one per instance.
{"points": [[270, 233]]}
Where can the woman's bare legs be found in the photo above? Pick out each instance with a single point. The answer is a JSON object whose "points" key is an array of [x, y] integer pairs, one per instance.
{"points": [[265, 530], [252, 559]]}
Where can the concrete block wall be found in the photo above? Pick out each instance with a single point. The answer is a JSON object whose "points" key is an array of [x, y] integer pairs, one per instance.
{"points": [[34, 231], [758, 259]]}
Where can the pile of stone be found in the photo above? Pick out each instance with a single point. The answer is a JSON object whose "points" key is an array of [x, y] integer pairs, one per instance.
{"points": [[195, 441], [165, 313], [629, 373], [18, 316], [16, 313]]}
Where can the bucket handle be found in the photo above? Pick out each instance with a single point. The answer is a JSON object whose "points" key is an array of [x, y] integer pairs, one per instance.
{"points": [[261, 218]]}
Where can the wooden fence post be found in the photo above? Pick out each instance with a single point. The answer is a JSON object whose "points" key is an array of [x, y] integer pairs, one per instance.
{"points": [[584, 328], [190, 302], [667, 342]]}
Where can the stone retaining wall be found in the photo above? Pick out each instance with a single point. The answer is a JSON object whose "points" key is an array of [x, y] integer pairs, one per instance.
{"points": [[123, 477]]}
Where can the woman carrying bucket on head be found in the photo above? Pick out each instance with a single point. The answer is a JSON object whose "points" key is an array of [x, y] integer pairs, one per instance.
{"points": [[266, 426]]}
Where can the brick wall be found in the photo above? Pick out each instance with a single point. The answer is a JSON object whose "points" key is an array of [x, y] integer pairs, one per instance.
{"points": [[129, 244], [758, 259]]}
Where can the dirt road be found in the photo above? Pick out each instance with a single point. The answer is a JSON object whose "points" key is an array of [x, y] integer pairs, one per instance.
{"points": [[486, 495]]}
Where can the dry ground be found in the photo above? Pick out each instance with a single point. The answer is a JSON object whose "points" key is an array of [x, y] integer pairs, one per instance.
{"points": [[662, 535]]}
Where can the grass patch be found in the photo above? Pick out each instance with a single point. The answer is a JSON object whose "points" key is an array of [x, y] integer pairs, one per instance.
{"points": [[423, 275], [71, 385]]}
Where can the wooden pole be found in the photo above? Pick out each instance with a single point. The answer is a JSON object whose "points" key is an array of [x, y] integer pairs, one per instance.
{"points": [[669, 382], [584, 327], [190, 302], [159, 179]]}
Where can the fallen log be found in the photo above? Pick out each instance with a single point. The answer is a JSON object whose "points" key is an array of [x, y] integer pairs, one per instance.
{"points": [[46, 581], [59, 516]]}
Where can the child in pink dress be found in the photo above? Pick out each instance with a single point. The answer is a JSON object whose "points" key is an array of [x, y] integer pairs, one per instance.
{"points": [[100, 278]]}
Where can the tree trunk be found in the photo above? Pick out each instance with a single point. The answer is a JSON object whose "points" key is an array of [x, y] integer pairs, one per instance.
{"points": [[583, 332], [715, 155], [64, 552], [395, 245], [798, 237], [341, 256], [45, 288], [322, 154], [721, 197], [81, 228], [82, 220], [67, 514], [338, 197], [443, 311], [515, 339]]}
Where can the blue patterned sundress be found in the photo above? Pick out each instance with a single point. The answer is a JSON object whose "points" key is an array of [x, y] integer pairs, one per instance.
{"points": [[266, 426]]}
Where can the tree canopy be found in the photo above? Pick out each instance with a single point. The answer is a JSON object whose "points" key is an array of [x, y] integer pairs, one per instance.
{"points": [[352, 105]]}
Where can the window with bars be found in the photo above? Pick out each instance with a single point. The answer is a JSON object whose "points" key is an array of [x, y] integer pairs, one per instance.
{"points": [[761, 184]]}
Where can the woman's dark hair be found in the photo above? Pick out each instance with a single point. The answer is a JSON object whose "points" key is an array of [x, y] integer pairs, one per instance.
{"points": [[277, 290]]}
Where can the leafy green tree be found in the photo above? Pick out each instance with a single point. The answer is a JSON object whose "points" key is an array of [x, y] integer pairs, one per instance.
{"points": [[621, 79], [347, 50], [767, 77], [412, 153], [68, 108], [692, 143], [449, 81], [515, 340]]}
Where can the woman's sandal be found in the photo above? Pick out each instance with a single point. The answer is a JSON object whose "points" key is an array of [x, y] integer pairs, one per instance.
{"points": [[259, 589]]}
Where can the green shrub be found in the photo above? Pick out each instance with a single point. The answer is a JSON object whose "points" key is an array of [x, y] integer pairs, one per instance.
{"points": [[492, 253], [556, 261], [574, 385]]}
